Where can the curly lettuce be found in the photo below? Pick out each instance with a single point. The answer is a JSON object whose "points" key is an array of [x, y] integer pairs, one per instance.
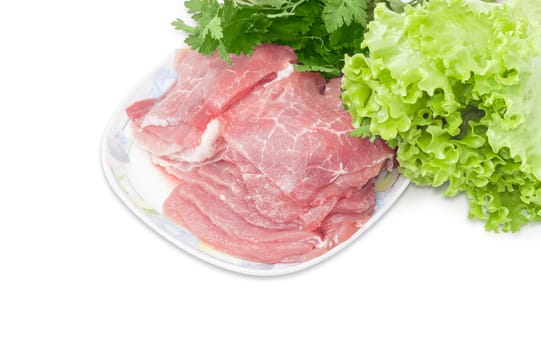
{"points": [[455, 86]]}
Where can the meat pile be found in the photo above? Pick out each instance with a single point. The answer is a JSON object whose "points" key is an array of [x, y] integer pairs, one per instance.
{"points": [[267, 170]]}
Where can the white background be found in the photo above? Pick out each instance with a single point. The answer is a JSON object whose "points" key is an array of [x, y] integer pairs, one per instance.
{"points": [[79, 271]]}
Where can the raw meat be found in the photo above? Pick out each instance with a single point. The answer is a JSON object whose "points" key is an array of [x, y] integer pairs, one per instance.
{"points": [[298, 138], [173, 124], [186, 214], [267, 169]]}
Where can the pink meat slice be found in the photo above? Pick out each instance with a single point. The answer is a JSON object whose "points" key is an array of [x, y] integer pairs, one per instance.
{"points": [[207, 208], [252, 197], [271, 202], [184, 212], [298, 138], [205, 87], [223, 180], [349, 214], [223, 216], [359, 201]]}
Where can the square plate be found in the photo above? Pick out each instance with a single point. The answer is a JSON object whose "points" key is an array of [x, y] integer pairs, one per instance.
{"points": [[143, 187]]}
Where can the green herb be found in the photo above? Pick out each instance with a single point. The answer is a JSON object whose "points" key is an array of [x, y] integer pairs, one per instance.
{"points": [[320, 31]]}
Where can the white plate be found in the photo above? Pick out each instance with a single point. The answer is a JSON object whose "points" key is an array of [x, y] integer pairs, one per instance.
{"points": [[143, 187]]}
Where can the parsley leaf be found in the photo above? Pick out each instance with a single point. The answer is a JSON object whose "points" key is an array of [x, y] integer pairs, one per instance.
{"points": [[338, 13], [239, 20], [206, 36]]}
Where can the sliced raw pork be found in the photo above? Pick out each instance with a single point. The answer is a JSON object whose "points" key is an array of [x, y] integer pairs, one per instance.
{"points": [[296, 134], [290, 173], [267, 169], [173, 125]]}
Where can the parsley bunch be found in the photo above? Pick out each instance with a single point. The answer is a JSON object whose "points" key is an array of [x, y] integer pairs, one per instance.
{"points": [[321, 32]]}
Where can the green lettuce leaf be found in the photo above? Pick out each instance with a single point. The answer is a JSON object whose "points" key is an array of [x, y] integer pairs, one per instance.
{"points": [[455, 86], [519, 128], [529, 8]]}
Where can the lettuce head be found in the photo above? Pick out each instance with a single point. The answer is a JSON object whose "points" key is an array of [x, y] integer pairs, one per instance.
{"points": [[455, 86]]}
